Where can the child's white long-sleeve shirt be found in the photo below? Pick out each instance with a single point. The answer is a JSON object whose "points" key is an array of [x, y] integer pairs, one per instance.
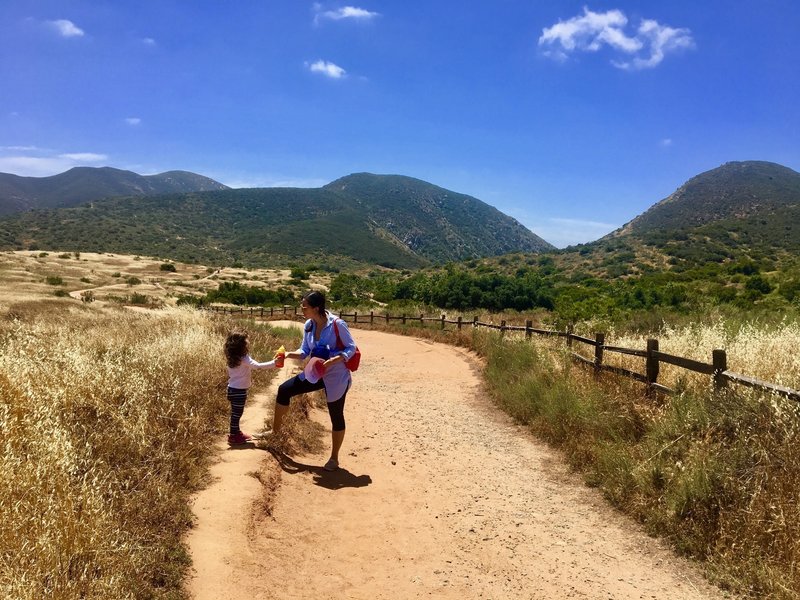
{"points": [[240, 376]]}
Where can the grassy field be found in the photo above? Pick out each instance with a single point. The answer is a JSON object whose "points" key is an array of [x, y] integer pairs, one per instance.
{"points": [[123, 279], [109, 419]]}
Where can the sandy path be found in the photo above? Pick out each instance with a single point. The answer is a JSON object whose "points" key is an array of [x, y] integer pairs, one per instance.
{"points": [[440, 495]]}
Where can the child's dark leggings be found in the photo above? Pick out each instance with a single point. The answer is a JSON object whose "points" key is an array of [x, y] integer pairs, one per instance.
{"points": [[237, 397], [295, 385]]}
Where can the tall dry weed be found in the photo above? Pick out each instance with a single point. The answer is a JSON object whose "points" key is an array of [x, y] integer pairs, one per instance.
{"points": [[106, 418], [767, 352]]}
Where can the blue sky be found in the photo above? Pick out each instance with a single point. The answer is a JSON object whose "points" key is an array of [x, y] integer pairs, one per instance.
{"points": [[572, 117]]}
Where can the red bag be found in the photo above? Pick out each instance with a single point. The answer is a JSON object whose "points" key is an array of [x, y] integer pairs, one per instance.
{"points": [[355, 360]]}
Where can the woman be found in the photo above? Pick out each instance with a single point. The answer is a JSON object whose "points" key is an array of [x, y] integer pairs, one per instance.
{"points": [[320, 340]]}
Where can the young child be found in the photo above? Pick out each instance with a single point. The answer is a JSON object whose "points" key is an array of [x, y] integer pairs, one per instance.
{"points": [[240, 366]]}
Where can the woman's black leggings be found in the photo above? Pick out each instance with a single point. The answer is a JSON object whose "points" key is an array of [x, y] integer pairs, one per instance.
{"points": [[295, 385]]}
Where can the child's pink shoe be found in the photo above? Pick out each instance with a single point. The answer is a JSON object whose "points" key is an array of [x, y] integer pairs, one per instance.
{"points": [[237, 439]]}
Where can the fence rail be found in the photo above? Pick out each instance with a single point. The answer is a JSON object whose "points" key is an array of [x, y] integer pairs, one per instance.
{"points": [[717, 368]]}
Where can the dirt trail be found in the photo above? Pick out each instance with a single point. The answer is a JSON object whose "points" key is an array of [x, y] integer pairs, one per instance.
{"points": [[439, 495]]}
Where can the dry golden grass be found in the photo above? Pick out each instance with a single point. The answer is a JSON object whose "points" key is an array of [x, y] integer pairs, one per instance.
{"points": [[105, 416], [769, 353], [108, 417], [24, 277]]}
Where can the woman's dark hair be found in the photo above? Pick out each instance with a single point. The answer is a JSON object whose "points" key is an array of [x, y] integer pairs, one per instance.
{"points": [[235, 348], [316, 300]]}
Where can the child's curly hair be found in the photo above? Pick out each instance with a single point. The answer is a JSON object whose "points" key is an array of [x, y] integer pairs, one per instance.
{"points": [[235, 348]]}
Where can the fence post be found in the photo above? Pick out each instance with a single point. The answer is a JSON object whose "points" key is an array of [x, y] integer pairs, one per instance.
{"points": [[262, 313], [528, 332], [371, 317], [569, 335], [421, 319], [442, 321], [459, 322], [271, 311], [720, 361], [284, 308], [475, 322], [600, 339], [404, 318], [387, 317], [355, 317], [251, 312], [295, 310], [502, 327], [651, 366]]}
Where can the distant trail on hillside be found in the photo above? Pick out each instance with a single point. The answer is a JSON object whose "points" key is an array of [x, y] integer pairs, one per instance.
{"points": [[440, 495]]}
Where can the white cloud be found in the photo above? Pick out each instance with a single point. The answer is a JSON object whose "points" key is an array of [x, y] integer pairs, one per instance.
{"points": [[665, 143], [270, 182], [20, 149], [326, 68], [44, 165], [568, 232], [559, 231], [347, 12], [65, 28], [133, 121], [592, 31], [85, 157], [148, 41]]}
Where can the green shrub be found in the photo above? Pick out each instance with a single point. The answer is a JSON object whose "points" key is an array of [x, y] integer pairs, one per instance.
{"points": [[137, 298]]}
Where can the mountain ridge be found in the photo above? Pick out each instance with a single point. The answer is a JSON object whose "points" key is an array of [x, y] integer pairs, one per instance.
{"points": [[394, 221], [736, 189], [85, 184]]}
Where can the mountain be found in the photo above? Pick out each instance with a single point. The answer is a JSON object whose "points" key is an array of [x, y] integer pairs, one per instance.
{"points": [[435, 222], [735, 191], [84, 184], [374, 219]]}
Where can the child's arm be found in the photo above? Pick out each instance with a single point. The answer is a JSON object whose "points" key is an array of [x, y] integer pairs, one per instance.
{"points": [[270, 364]]}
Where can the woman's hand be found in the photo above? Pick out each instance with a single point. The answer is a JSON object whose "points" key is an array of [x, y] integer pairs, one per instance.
{"points": [[333, 360]]}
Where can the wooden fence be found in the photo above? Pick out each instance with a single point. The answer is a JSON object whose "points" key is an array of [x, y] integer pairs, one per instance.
{"points": [[717, 368]]}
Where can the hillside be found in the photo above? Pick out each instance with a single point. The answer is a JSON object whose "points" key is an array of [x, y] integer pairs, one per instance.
{"points": [[357, 220], [433, 221], [735, 191], [84, 184], [728, 237]]}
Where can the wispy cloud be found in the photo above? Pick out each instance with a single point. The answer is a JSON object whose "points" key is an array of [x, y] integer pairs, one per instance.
{"points": [[44, 165], [269, 182], [133, 121], [326, 68], [85, 157], [21, 149], [665, 143], [148, 41], [643, 49], [563, 232], [568, 232], [347, 12], [65, 28]]}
